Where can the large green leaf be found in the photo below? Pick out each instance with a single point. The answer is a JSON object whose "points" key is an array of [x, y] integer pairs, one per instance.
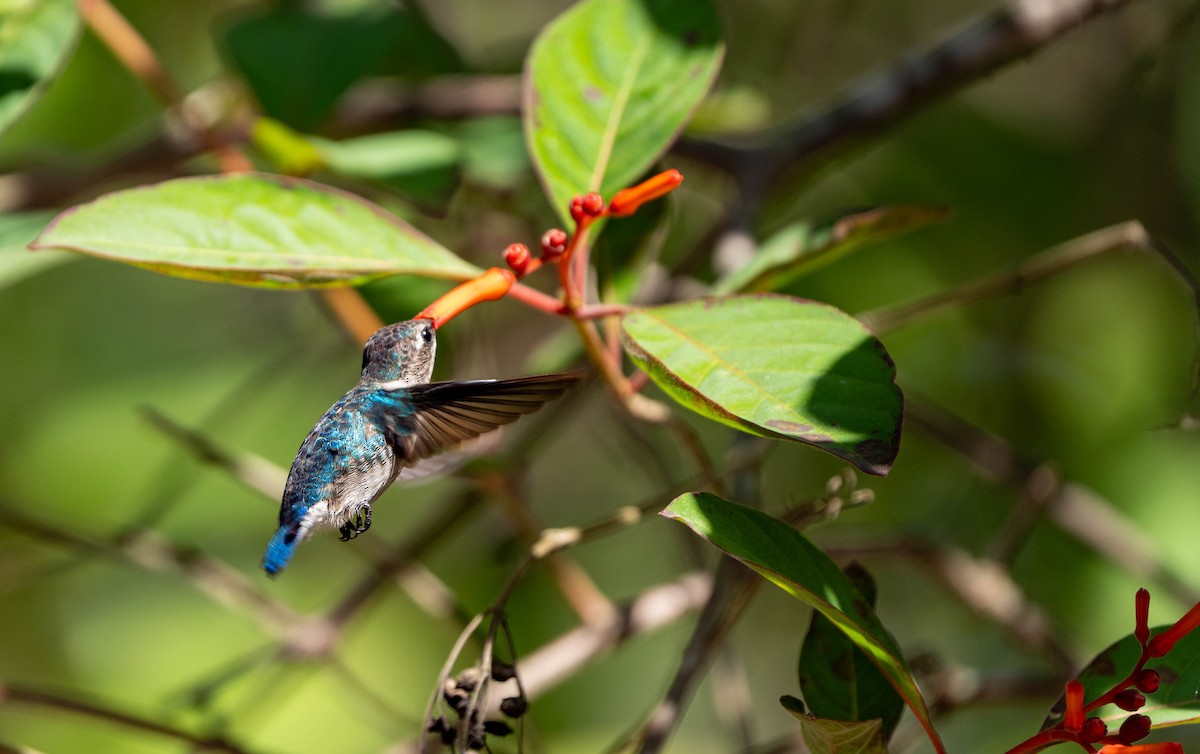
{"points": [[17, 262], [609, 84], [36, 38], [787, 559], [839, 682], [252, 229], [801, 248], [1177, 700], [778, 367]]}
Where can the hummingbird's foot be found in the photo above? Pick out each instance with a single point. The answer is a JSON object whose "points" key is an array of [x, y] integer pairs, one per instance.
{"points": [[357, 525]]}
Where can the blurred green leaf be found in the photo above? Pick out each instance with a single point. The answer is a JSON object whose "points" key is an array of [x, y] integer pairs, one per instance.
{"points": [[290, 151], [801, 248], [778, 367], [17, 262], [36, 38], [420, 164], [838, 680], [608, 86], [1177, 700], [493, 151], [299, 61], [786, 558], [252, 229]]}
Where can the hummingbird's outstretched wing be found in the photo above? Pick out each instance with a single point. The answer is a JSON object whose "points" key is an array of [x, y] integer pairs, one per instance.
{"points": [[450, 413]]}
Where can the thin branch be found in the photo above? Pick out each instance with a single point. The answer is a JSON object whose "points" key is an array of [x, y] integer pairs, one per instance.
{"points": [[984, 586], [155, 553], [1125, 236], [35, 697], [650, 610], [880, 100], [1077, 510]]}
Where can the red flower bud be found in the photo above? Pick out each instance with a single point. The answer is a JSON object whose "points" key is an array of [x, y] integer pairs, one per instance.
{"points": [[1149, 680], [1094, 729], [626, 202], [592, 204], [1160, 748], [1135, 728], [1141, 610], [554, 243], [1073, 717], [576, 207], [1129, 700], [517, 257], [1164, 642]]}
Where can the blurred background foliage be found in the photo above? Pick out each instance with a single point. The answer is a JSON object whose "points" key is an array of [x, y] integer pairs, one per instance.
{"points": [[1091, 373]]}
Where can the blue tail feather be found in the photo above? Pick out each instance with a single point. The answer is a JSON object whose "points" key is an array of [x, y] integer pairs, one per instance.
{"points": [[280, 549]]}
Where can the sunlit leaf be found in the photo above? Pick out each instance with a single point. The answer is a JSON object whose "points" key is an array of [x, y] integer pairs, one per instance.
{"points": [[777, 367], [609, 84], [838, 680], [824, 736], [251, 229], [1177, 700], [36, 38], [801, 248], [786, 558], [17, 262]]}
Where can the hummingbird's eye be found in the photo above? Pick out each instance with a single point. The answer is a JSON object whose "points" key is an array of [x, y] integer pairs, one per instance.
{"points": [[427, 334]]}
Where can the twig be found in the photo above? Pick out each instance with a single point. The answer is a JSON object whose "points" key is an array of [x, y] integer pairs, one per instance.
{"points": [[36, 697], [882, 99], [352, 310], [734, 586], [154, 553], [252, 470], [982, 585], [581, 593], [1127, 235], [405, 554], [1079, 511], [650, 610], [131, 49]]}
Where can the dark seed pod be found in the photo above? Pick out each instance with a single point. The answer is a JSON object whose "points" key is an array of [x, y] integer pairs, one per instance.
{"points": [[502, 671], [497, 728], [514, 706]]}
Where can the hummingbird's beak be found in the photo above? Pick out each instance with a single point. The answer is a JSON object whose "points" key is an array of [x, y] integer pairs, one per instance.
{"points": [[489, 286]]}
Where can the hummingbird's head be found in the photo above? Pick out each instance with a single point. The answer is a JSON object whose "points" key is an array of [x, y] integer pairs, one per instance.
{"points": [[400, 353]]}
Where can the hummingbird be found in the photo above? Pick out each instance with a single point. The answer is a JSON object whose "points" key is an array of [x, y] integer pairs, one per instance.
{"points": [[390, 421]]}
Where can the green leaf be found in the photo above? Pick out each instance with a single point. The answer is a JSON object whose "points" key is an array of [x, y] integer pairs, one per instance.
{"points": [[17, 262], [1177, 700], [778, 367], [837, 679], [299, 61], [801, 248], [421, 164], [252, 229], [783, 556], [608, 86], [36, 38]]}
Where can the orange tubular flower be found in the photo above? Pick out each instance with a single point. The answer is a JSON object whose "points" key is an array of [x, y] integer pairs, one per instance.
{"points": [[1073, 717], [626, 202], [1163, 643], [1162, 748], [489, 286]]}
